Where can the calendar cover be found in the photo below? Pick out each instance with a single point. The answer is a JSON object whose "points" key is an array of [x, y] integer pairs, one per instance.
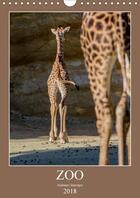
{"points": [[68, 120]]}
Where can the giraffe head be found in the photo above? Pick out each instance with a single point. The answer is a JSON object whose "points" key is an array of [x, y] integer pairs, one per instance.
{"points": [[60, 31]]}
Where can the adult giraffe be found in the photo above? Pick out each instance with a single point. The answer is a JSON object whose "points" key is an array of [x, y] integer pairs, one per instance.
{"points": [[105, 37]]}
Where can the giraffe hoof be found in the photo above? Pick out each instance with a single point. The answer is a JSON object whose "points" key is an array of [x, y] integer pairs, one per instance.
{"points": [[52, 140], [64, 141]]}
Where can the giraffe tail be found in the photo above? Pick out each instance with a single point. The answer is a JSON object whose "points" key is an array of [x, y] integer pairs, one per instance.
{"points": [[72, 83]]}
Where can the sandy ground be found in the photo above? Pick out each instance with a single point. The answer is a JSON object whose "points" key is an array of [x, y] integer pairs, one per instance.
{"points": [[29, 144], [82, 150]]}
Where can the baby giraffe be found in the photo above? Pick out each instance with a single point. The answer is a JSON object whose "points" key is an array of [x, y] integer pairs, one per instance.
{"points": [[57, 82]]}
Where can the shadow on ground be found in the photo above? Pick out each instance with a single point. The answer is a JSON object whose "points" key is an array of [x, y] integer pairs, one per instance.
{"points": [[67, 156]]}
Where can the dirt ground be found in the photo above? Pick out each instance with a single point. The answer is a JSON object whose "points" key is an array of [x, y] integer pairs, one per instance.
{"points": [[29, 143]]}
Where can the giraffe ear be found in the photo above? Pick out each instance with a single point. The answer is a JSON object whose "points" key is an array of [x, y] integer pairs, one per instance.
{"points": [[53, 31], [66, 29]]}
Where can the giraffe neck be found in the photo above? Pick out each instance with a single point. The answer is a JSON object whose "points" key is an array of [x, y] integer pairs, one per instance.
{"points": [[60, 52]]}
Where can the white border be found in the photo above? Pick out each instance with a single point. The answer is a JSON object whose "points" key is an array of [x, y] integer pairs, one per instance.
{"points": [[82, 166], [82, 2]]}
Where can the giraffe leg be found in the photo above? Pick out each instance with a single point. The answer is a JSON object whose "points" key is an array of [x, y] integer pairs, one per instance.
{"points": [[55, 125], [52, 110], [104, 126], [120, 113], [63, 134], [103, 108], [121, 107], [129, 145], [64, 124]]}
